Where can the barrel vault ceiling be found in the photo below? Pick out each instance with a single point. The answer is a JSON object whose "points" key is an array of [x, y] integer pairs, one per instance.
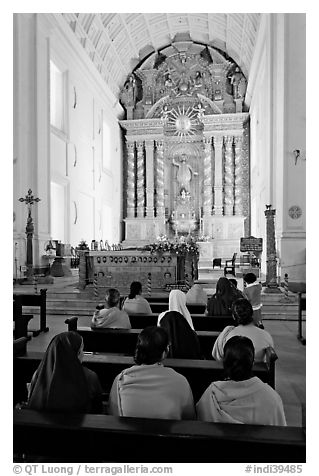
{"points": [[117, 42]]}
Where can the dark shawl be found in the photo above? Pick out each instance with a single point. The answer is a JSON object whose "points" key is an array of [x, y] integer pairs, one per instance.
{"points": [[184, 343], [220, 304], [59, 383]]}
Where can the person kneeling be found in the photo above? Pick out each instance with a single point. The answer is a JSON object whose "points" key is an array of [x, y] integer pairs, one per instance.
{"points": [[148, 389], [241, 398]]}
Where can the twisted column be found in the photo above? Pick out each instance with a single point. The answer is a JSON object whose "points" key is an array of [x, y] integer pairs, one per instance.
{"points": [[149, 150], [160, 208], [140, 203], [239, 170], [130, 180], [229, 176], [207, 204], [218, 186]]}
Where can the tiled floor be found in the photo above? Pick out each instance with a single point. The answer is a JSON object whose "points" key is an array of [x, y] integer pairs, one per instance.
{"points": [[290, 366]]}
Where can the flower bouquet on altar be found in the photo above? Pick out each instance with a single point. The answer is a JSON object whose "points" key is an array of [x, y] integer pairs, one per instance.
{"points": [[180, 245]]}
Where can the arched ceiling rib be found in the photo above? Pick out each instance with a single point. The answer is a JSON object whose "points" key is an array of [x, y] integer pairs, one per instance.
{"points": [[116, 42]]}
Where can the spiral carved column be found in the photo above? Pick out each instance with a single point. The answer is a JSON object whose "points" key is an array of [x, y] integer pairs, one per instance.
{"points": [[149, 150], [229, 176], [218, 186], [238, 176], [130, 180], [140, 179], [207, 204], [160, 179]]}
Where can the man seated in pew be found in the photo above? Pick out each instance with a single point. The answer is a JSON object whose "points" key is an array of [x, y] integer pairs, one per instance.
{"points": [[184, 343], [243, 326], [240, 398], [61, 383], [177, 302], [220, 304], [196, 295], [111, 315], [135, 303], [148, 389]]}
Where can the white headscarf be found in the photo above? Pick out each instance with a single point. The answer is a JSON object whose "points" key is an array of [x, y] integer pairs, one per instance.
{"points": [[177, 302]]}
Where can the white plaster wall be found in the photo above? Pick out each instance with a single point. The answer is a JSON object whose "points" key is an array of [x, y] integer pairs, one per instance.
{"points": [[276, 97], [72, 161]]}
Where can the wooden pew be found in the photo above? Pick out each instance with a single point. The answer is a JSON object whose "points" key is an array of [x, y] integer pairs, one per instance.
{"points": [[301, 307], [21, 322], [32, 300], [199, 373], [201, 323], [158, 307], [105, 438], [124, 340]]}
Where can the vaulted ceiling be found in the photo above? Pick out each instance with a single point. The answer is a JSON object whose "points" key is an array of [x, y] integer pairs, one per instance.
{"points": [[117, 42]]}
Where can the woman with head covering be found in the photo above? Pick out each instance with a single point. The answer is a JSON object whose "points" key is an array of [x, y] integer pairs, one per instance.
{"points": [[184, 343], [196, 295], [111, 316], [220, 304], [61, 383], [135, 303], [244, 326], [148, 389], [240, 398], [177, 302]]}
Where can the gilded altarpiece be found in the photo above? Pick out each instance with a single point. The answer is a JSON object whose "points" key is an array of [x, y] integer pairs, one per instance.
{"points": [[186, 161]]}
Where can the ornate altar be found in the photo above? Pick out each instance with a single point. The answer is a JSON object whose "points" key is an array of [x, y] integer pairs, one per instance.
{"points": [[157, 270], [186, 167]]}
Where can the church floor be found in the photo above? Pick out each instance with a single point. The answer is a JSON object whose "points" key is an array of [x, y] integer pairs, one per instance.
{"points": [[290, 366]]}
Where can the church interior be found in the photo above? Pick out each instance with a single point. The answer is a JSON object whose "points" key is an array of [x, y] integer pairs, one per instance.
{"points": [[168, 149]]}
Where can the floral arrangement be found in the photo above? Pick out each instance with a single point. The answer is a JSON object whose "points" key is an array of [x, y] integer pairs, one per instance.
{"points": [[179, 245]]}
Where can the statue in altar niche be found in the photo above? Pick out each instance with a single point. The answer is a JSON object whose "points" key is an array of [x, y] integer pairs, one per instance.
{"points": [[184, 173]]}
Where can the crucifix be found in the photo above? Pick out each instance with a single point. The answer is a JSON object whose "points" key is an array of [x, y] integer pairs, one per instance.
{"points": [[29, 200]]}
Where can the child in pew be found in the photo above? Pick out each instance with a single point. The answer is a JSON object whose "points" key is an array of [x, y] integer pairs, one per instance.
{"points": [[111, 316], [252, 292], [244, 326], [240, 398], [135, 303], [61, 383], [148, 389]]}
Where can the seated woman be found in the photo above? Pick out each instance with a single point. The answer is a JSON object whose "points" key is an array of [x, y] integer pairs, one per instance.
{"points": [[111, 316], [196, 295], [184, 343], [243, 316], [220, 304], [135, 303], [61, 383], [148, 389], [241, 398], [252, 292], [177, 302]]}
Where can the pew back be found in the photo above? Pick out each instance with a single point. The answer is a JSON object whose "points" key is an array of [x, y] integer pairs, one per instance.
{"points": [[124, 340], [104, 438], [199, 373]]}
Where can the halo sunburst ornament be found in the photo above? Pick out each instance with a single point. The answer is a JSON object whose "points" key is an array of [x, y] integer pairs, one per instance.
{"points": [[183, 121]]}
